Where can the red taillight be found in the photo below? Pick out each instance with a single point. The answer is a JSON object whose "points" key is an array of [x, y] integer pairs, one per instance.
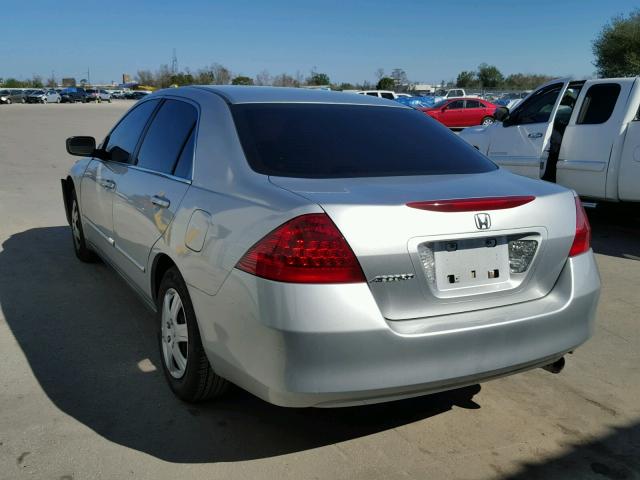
{"points": [[472, 204], [582, 240], [307, 249]]}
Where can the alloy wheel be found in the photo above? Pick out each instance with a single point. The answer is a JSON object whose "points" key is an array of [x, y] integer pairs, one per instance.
{"points": [[175, 336]]}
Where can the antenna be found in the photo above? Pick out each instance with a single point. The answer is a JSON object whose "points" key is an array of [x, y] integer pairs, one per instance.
{"points": [[174, 63]]}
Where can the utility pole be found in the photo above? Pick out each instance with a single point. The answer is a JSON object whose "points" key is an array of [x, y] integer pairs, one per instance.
{"points": [[88, 76], [174, 63]]}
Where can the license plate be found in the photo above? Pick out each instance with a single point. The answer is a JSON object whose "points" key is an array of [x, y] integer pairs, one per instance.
{"points": [[471, 262]]}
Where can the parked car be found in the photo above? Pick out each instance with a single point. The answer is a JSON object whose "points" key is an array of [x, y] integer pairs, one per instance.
{"points": [[98, 95], [309, 249], [581, 134], [73, 95], [44, 96], [117, 94], [137, 94], [388, 94], [462, 112], [12, 96]]}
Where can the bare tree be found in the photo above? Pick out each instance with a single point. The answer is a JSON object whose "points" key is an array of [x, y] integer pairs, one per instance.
{"points": [[379, 73], [284, 80], [143, 77], [263, 78]]}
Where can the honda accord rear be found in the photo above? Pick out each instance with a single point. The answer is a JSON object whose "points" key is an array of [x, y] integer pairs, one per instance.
{"points": [[337, 250]]}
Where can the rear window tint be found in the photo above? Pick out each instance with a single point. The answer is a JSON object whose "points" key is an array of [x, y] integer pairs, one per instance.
{"points": [[341, 141], [598, 103]]}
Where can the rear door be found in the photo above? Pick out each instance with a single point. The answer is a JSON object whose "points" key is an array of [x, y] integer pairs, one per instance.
{"points": [[588, 140], [473, 112], [150, 190], [629, 173], [521, 142]]}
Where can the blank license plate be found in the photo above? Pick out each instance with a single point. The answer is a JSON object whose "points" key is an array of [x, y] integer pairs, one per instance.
{"points": [[471, 262]]}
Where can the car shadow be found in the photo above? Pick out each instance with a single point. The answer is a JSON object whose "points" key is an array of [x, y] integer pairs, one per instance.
{"points": [[612, 456], [615, 230], [91, 345]]}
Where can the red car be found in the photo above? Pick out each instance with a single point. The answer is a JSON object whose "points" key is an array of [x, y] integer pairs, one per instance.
{"points": [[462, 112]]}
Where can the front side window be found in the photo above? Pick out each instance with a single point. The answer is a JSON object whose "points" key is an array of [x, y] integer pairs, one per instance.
{"points": [[167, 135], [455, 105], [598, 103], [537, 108], [344, 141], [123, 139]]}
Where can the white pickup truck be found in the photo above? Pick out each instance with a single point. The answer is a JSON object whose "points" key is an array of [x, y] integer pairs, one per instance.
{"points": [[584, 135]]}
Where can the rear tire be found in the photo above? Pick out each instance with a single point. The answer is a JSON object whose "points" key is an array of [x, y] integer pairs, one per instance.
{"points": [[184, 361], [486, 121], [84, 253]]}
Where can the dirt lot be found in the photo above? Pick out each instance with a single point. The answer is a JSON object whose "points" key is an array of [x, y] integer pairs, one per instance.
{"points": [[81, 395]]}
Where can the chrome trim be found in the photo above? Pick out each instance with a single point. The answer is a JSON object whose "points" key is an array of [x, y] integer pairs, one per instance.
{"points": [[128, 257], [160, 174]]}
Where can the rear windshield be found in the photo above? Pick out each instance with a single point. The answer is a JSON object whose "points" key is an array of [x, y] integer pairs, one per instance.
{"points": [[340, 141]]}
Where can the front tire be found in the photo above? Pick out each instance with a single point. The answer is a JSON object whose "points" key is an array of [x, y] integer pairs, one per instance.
{"points": [[184, 362], [80, 248]]}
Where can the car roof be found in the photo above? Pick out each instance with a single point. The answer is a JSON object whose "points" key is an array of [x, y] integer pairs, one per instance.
{"points": [[235, 94]]}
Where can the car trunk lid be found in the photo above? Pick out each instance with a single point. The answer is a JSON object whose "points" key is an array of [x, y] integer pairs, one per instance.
{"points": [[423, 262]]}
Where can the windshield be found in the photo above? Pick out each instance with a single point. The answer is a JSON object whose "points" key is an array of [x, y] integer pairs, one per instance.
{"points": [[341, 141]]}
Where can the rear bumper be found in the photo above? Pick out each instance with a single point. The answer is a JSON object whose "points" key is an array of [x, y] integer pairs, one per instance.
{"points": [[328, 345]]}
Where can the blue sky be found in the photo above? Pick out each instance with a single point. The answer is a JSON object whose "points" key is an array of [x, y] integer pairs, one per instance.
{"points": [[349, 40]]}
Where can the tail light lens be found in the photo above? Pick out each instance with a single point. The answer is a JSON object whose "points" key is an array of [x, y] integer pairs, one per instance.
{"points": [[582, 240], [307, 249]]}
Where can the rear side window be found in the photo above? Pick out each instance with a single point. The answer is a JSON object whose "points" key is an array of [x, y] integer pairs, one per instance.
{"points": [[387, 95], [342, 141], [124, 138], [167, 136], [598, 103], [473, 104]]}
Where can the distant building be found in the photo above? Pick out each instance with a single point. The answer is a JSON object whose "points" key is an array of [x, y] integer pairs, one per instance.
{"points": [[126, 78]]}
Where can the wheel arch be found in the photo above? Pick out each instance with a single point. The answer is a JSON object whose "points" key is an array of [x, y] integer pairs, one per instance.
{"points": [[161, 263], [67, 190]]}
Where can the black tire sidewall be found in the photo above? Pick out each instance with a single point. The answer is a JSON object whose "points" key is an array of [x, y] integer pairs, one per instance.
{"points": [[187, 386]]}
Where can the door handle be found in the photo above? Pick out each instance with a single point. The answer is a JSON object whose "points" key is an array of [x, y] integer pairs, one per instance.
{"points": [[160, 202], [108, 184], [535, 135]]}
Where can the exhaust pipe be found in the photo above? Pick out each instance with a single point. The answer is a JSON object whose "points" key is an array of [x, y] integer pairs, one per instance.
{"points": [[555, 367]]}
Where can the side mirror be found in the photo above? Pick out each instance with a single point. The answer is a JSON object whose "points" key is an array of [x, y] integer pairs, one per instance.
{"points": [[501, 114], [81, 146]]}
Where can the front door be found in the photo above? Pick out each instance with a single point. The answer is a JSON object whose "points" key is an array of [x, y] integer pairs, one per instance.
{"points": [[521, 142], [96, 204], [453, 114]]}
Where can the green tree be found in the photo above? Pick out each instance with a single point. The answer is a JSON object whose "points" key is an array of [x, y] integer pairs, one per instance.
{"points": [[242, 80], [466, 79], [617, 47], [345, 86], [317, 78], [13, 83], [489, 76], [386, 83]]}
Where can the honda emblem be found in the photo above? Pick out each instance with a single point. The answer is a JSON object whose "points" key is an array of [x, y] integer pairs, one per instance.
{"points": [[483, 221]]}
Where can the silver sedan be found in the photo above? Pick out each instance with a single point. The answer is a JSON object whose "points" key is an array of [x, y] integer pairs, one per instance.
{"points": [[323, 249]]}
